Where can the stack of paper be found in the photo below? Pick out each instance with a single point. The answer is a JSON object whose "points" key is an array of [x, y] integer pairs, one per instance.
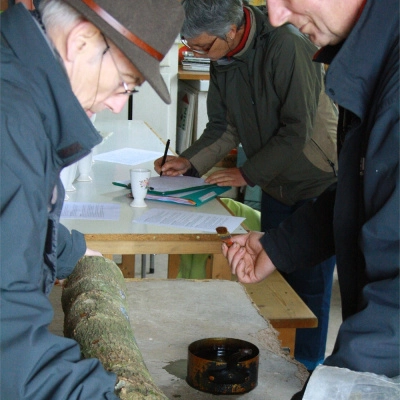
{"points": [[185, 190], [192, 198]]}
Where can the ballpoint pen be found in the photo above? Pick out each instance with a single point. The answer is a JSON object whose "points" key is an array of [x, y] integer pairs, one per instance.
{"points": [[165, 155]]}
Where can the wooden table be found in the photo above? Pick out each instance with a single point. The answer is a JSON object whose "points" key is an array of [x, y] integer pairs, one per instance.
{"points": [[128, 238], [275, 299], [167, 315]]}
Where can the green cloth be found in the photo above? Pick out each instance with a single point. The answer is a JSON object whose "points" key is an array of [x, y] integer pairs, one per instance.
{"points": [[193, 266], [252, 216]]}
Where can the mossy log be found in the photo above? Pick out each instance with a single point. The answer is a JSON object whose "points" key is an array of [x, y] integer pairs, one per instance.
{"points": [[95, 308]]}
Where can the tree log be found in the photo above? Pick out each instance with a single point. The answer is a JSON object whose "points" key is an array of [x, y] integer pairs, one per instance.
{"points": [[95, 308]]}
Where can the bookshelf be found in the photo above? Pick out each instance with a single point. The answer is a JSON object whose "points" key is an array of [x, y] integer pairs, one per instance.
{"points": [[184, 75]]}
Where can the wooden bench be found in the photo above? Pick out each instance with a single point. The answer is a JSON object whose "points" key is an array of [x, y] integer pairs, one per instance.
{"points": [[282, 307]]}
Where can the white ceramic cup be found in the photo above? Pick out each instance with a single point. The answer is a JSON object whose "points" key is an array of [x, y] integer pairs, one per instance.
{"points": [[68, 175], [85, 168], [139, 184]]}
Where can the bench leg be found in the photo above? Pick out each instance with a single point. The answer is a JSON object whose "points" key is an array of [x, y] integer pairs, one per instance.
{"points": [[287, 337]]}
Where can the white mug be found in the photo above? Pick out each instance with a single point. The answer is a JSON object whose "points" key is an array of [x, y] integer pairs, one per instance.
{"points": [[139, 184]]}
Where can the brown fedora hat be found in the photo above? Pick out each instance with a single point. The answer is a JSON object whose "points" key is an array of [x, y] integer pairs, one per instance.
{"points": [[144, 30]]}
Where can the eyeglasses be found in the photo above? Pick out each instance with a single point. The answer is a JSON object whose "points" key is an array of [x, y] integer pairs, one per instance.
{"points": [[126, 91], [201, 51]]}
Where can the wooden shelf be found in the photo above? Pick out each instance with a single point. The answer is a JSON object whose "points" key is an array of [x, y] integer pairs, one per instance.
{"points": [[192, 75]]}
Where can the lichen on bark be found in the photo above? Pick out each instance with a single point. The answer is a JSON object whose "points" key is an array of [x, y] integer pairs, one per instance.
{"points": [[95, 308]]}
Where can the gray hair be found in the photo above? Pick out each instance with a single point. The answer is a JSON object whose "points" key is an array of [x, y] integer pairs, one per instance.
{"points": [[58, 14], [213, 17]]}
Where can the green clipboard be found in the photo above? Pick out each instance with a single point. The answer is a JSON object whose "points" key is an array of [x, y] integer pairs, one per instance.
{"points": [[196, 197]]}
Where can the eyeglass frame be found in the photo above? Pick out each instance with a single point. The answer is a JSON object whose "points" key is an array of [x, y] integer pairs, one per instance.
{"points": [[202, 52], [127, 91]]}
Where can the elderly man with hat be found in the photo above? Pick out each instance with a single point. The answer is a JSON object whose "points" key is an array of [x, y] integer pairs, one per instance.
{"points": [[59, 66]]}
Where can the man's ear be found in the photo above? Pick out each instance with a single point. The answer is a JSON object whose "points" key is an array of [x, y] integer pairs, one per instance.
{"points": [[80, 38], [232, 32]]}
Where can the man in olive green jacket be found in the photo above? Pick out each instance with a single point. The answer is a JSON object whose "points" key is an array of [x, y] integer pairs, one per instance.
{"points": [[266, 94]]}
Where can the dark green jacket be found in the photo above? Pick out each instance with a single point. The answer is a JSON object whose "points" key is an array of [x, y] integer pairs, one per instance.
{"points": [[269, 97]]}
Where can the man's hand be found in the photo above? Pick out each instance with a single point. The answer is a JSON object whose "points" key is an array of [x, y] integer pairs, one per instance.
{"points": [[173, 166], [247, 259], [227, 177]]}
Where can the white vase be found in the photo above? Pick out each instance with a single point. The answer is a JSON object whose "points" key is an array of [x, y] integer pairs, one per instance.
{"points": [[85, 168], [68, 175]]}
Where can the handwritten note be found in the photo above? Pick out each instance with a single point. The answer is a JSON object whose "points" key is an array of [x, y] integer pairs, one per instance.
{"points": [[93, 211], [184, 219]]}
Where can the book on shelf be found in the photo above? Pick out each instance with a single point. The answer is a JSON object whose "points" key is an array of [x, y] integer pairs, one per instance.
{"points": [[195, 67], [198, 60], [187, 100], [192, 63]]}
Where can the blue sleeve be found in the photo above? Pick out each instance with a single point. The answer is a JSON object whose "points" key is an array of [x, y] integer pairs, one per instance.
{"points": [[70, 248], [35, 364]]}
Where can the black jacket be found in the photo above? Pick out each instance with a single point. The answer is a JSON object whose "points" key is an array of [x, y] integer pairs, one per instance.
{"points": [[359, 219]]}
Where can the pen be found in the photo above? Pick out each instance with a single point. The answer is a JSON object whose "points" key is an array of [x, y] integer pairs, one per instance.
{"points": [[122, 184], [165, 155]]}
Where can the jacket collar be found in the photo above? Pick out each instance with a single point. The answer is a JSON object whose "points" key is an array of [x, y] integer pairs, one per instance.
{"points": [[67, 126], [355, 64], [259, 25]]}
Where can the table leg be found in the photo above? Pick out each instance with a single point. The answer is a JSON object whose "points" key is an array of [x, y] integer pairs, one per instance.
{"points": [[143, 270], [173, 265], [128, 265], [220, 268]]}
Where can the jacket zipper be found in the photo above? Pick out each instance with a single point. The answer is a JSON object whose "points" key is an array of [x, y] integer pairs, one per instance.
{"points": [[330, 162]]}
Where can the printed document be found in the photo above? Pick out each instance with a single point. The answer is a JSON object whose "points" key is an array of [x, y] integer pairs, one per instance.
{"points": [[94, 211], [190, 220]]}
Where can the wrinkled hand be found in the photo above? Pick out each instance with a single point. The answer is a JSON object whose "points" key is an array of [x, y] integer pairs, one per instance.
{"points": [[90, 252], [247, 258], [227, 177], [173, 166]]}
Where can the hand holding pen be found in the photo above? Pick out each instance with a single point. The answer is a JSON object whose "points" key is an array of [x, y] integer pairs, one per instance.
{"points": [[173, 166], [165, 154]]}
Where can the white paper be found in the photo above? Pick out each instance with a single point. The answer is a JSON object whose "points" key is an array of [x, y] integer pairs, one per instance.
{"points": [[173, 183], [94, 211], [190, 220], [128, 156]]}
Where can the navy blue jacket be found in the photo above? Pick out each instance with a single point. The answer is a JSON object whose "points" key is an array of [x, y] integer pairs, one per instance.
{"points": [[359, 218], [43, 128]]}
